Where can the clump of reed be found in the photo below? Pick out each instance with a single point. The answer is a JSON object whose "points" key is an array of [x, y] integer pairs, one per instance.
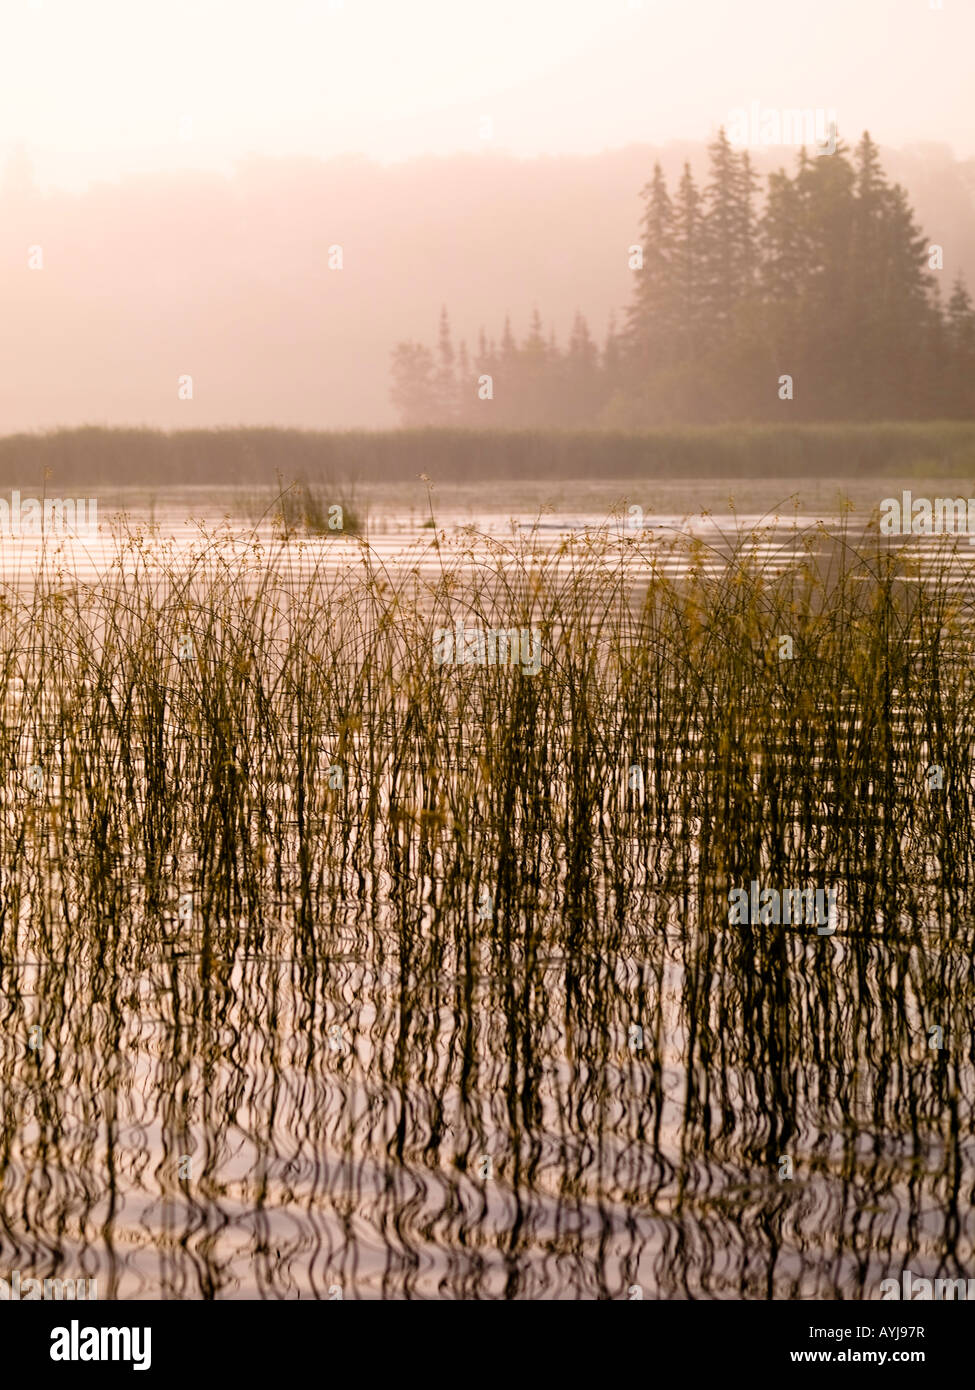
{"points": [[253, 834], [301, 508], [317, 511]]}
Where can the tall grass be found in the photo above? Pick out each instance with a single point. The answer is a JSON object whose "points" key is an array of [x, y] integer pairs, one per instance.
{"points": [[279, 890], [302, 509], [93, 456]]}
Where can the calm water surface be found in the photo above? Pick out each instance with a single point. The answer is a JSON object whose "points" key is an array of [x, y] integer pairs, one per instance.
{"points": [[370, 1088]]}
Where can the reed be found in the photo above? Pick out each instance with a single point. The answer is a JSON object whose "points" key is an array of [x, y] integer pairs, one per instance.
{"points": [[284, 895]]}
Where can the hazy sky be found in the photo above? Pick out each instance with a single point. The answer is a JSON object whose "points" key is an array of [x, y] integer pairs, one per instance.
{"points": [[95, 88]]}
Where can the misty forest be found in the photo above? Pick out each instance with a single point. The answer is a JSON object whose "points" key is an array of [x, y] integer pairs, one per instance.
{"points": [[828, 280]]}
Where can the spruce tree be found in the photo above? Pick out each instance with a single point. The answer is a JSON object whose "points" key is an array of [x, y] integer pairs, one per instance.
{"points": [[720, 242], [446, 380], [414, 389], [960, 333], [687, 264], [651, 317], [582, 389], [826, 189]]}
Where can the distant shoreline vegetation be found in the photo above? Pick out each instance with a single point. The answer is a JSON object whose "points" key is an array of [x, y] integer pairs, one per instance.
{"points": [[92, 456]]}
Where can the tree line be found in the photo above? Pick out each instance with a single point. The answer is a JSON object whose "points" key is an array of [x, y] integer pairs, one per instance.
{"points": [[821, 301]]}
